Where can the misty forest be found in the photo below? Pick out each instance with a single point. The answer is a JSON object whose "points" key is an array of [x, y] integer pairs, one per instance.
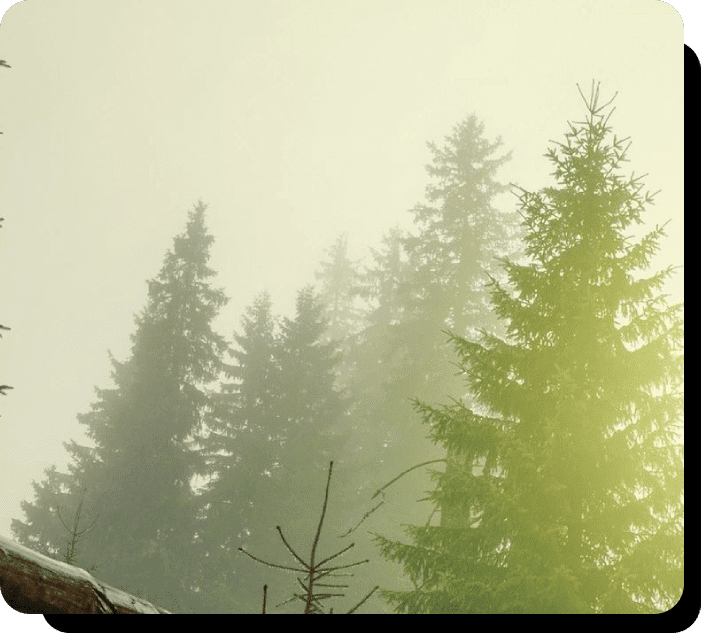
{"points": [[482, 415]]}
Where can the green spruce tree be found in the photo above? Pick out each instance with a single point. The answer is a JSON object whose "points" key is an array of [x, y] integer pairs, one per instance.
{"points": [[273, 432], [314, 418], [244, 431], [140, 470], [312, 406], [42, 530], [429, 281], [565, 493], [421, 283]]}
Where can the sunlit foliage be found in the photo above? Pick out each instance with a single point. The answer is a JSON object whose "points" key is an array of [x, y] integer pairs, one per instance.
{"points": [[563, 491]]}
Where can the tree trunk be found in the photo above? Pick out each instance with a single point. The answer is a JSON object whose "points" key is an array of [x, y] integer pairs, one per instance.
{"points": [[34, 583]]}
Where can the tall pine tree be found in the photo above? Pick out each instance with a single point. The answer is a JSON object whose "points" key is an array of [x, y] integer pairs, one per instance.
{"points": [[566, 491], [139, 473], [313, 408], [273, 432], [241, 444], [430, 281], [340, 286], [422, 283]]}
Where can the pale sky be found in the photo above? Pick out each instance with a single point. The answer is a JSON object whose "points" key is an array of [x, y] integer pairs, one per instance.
{"points": [[295, 121]]}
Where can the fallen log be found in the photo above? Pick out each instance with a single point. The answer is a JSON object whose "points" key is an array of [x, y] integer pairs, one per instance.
{"points": [[33, 583]]}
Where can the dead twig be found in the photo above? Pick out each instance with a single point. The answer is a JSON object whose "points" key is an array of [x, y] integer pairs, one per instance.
{"points": [[314, 571]]}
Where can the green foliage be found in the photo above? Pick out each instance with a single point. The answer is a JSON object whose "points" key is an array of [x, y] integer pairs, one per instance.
{"points": [[426, 282], [271, 432], [341, 288], [140, 469], [563, 491], [563, 485], [42, 529], [460, 233], [418, 284]]}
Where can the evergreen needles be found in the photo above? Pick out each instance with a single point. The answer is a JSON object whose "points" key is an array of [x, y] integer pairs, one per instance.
{"points": [[564, 484]]}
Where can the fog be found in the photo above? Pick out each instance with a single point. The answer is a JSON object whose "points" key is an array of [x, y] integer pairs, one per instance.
{"points": [[294, 122]]}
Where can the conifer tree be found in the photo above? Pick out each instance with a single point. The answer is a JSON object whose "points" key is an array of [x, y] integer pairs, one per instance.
{"points": [[312, 406], [428, 281], [421, 283], [340, 287], [140, 470], [566, 491], [275, 427], [460, 234], [313, 419], [381, 286], [241, 444], [339, 283], [42, 530]]}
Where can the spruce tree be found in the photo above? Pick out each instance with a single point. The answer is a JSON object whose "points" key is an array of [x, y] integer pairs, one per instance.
{"points": [[428, 281], [311, 404], [272, 433], [241, 444], [420, 283], [372, 414], [460, 235], [42, 530], [566, 485], [340, 286], [313, 411], [140, 470], [339, 282]]}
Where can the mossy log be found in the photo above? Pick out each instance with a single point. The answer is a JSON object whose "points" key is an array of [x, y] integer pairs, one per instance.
{"points": [[33, 583]]}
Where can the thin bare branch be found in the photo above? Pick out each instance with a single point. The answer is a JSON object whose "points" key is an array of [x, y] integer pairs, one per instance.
{"points": [[326, 560], [365, 516], [374, 589], [328, 570], [313, 571], [58, 512], [321, 519], [269, 564], [301, 584], [289, 547], [408, 470]]}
